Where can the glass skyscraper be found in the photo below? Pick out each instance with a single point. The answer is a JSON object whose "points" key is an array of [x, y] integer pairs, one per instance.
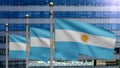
{"points": [[101, 13]]}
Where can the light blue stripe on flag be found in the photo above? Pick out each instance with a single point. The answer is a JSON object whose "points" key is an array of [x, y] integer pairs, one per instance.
{"points": [[17, 38], [63, 56], [42, 33], [39, 53], [82, 38], [17, 46], [17, 54], [94, 51]]}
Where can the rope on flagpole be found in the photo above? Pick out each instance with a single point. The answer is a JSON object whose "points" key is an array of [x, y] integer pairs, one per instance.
{"points": [[51, 4], [27, 54], [6, 45]]}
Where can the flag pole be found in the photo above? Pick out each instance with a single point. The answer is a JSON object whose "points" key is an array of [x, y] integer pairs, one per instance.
{"points": [[119, 57], [51, 4], [27, 54], [6, 45]]}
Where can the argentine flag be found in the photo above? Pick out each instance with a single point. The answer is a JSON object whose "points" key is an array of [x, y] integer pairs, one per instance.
{"points": [[82, 38], [40, 44], [17, 46]]}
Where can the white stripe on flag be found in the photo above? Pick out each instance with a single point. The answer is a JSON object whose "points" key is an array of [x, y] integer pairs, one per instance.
{"points": [[17, 46], [73, 36], [40, 42]]}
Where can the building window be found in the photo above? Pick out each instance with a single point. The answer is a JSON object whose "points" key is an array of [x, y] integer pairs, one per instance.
{"points": [[2, 39]]}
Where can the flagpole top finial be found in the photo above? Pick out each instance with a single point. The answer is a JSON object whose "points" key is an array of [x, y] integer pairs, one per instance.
{"points": [[51, 4], [27, 16], [6, 24]]}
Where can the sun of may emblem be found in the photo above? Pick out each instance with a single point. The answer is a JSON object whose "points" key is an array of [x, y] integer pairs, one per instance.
{"points": [[84, 38]]}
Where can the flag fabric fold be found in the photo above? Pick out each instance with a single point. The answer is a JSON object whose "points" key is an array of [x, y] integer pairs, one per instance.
{"points": [[17, 46], [82, 38]]}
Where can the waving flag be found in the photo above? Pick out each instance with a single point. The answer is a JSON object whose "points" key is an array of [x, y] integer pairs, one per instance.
{"points": [[82, 38], [40, 44], [17, 46]]}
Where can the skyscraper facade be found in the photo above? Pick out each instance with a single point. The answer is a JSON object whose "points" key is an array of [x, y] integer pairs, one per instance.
{"points": [[101, 13]]}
